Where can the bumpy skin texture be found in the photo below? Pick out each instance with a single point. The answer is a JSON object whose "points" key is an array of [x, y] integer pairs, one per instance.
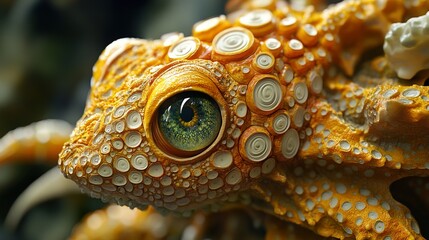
{"points": [[121, 222], [304, 136]]}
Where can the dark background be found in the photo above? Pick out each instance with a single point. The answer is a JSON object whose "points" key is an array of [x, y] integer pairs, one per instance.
{"points": [[47, 48]]}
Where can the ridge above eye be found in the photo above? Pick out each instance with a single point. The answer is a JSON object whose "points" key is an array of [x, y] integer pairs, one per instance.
{"points": [[187, 123]]}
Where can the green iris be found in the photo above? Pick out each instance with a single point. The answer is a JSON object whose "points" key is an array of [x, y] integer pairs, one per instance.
{"points": [[189, 121]]}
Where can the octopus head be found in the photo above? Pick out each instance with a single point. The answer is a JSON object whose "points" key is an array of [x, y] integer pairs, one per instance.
{"points": [[178, 136]]}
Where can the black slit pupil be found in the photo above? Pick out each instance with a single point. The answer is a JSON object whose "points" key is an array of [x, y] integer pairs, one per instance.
{"points": [[187, 113]]}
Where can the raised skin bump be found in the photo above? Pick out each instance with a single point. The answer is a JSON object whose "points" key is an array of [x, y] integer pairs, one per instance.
{"points": [[338, 143]]}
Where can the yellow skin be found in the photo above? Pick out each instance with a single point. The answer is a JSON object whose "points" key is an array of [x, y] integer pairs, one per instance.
{"points": [[319, 150]]}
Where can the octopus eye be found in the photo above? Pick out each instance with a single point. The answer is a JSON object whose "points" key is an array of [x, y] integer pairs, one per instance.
{"points": [[187, 123]]}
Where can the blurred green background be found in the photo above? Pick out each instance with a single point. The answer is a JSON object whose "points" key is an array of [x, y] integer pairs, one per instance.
{"points": [[47, 50]]}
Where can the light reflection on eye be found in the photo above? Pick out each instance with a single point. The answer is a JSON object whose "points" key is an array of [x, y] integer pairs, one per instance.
{"points": [[189, 122]]}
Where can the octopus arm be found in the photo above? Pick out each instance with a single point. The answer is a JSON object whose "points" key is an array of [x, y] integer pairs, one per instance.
{"points": [[337, 202], [385, 125], [37, 141], [352, 28]]}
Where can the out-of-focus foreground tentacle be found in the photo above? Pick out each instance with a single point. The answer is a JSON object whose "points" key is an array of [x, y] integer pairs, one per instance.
{"points": [[41, 140]]}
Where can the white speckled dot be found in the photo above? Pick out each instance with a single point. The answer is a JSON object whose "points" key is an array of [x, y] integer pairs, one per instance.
{"points": [[236, 133], [133, 139], [258, 146], [105, 148], [346, 206], [184, 48], [385, 206], [267, 94], [203, 180], [299, 190], [389, 93], [272, 44], [212, 174], [185, 173], [255, 172], [309, 204], [340, 217], [345, 145], [233, 177], [216, 183], [241, 109], [364, 192], [268, 165], [232, 41], [359, 221], [95, 159], [135, 177], [256, 18], [310, 30], [134, 97], [348, 230], [379, 226], [288, 73], [341, 188], [376, 154], [264, 61], [222, 159], [281, 123], [183, 201], [360, 206], [134, 120], [105, 170], [117, 144], [301, 216], [372, 201], [313, 189], [288, 21], [298, 117], [119, 180], [168, 191], [139, 162], [333, 203], [327, 195], [300, 92], [296, 45], [290, 143], [372, 215], [208, 24], [156, 170], [120, 126], [121, 164], [412, 92], [119, 111], [96, 180]]}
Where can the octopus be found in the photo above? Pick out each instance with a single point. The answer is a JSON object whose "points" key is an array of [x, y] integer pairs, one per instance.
{"points": [[294, 116]]}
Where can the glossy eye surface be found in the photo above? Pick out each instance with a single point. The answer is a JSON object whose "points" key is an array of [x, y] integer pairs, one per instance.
{"points": [[189, 122]]}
